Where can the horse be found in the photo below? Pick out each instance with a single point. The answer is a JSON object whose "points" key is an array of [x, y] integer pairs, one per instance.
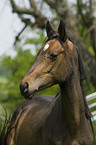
{"points": [[52, 120]]}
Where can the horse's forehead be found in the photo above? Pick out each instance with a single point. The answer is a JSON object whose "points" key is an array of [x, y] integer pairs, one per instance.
{"points": [[52, 45]]}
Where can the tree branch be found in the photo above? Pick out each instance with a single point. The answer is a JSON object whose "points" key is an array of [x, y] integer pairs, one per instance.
{"points": [[18, 35], [60, 7], [32, 4], [27, 23], [20, 10], [32, 11], [80, 11], [50, 3]]}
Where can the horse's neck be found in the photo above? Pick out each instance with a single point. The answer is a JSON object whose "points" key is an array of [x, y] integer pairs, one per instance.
{"points": [[72, 104]]}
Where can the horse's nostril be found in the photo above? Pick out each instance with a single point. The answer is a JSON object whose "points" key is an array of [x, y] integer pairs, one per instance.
{"points": [[24, 88], [26, 85]]}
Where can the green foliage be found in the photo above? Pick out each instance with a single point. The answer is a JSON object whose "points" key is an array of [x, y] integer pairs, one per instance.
{"points": [[17, 67], [37, 40], [14, 70]]}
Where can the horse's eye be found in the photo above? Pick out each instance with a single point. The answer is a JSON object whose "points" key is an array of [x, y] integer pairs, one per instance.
{"points": [[53, 56]]}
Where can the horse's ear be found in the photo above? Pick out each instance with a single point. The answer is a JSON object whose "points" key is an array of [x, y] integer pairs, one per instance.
{"points": [[49, 30], [62, 31]]}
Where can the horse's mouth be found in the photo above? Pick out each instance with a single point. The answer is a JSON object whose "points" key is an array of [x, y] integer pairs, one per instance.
{"points": [[30, 96]]}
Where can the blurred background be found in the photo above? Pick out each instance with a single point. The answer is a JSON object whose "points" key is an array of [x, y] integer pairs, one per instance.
{"points": [[22, 33]]}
